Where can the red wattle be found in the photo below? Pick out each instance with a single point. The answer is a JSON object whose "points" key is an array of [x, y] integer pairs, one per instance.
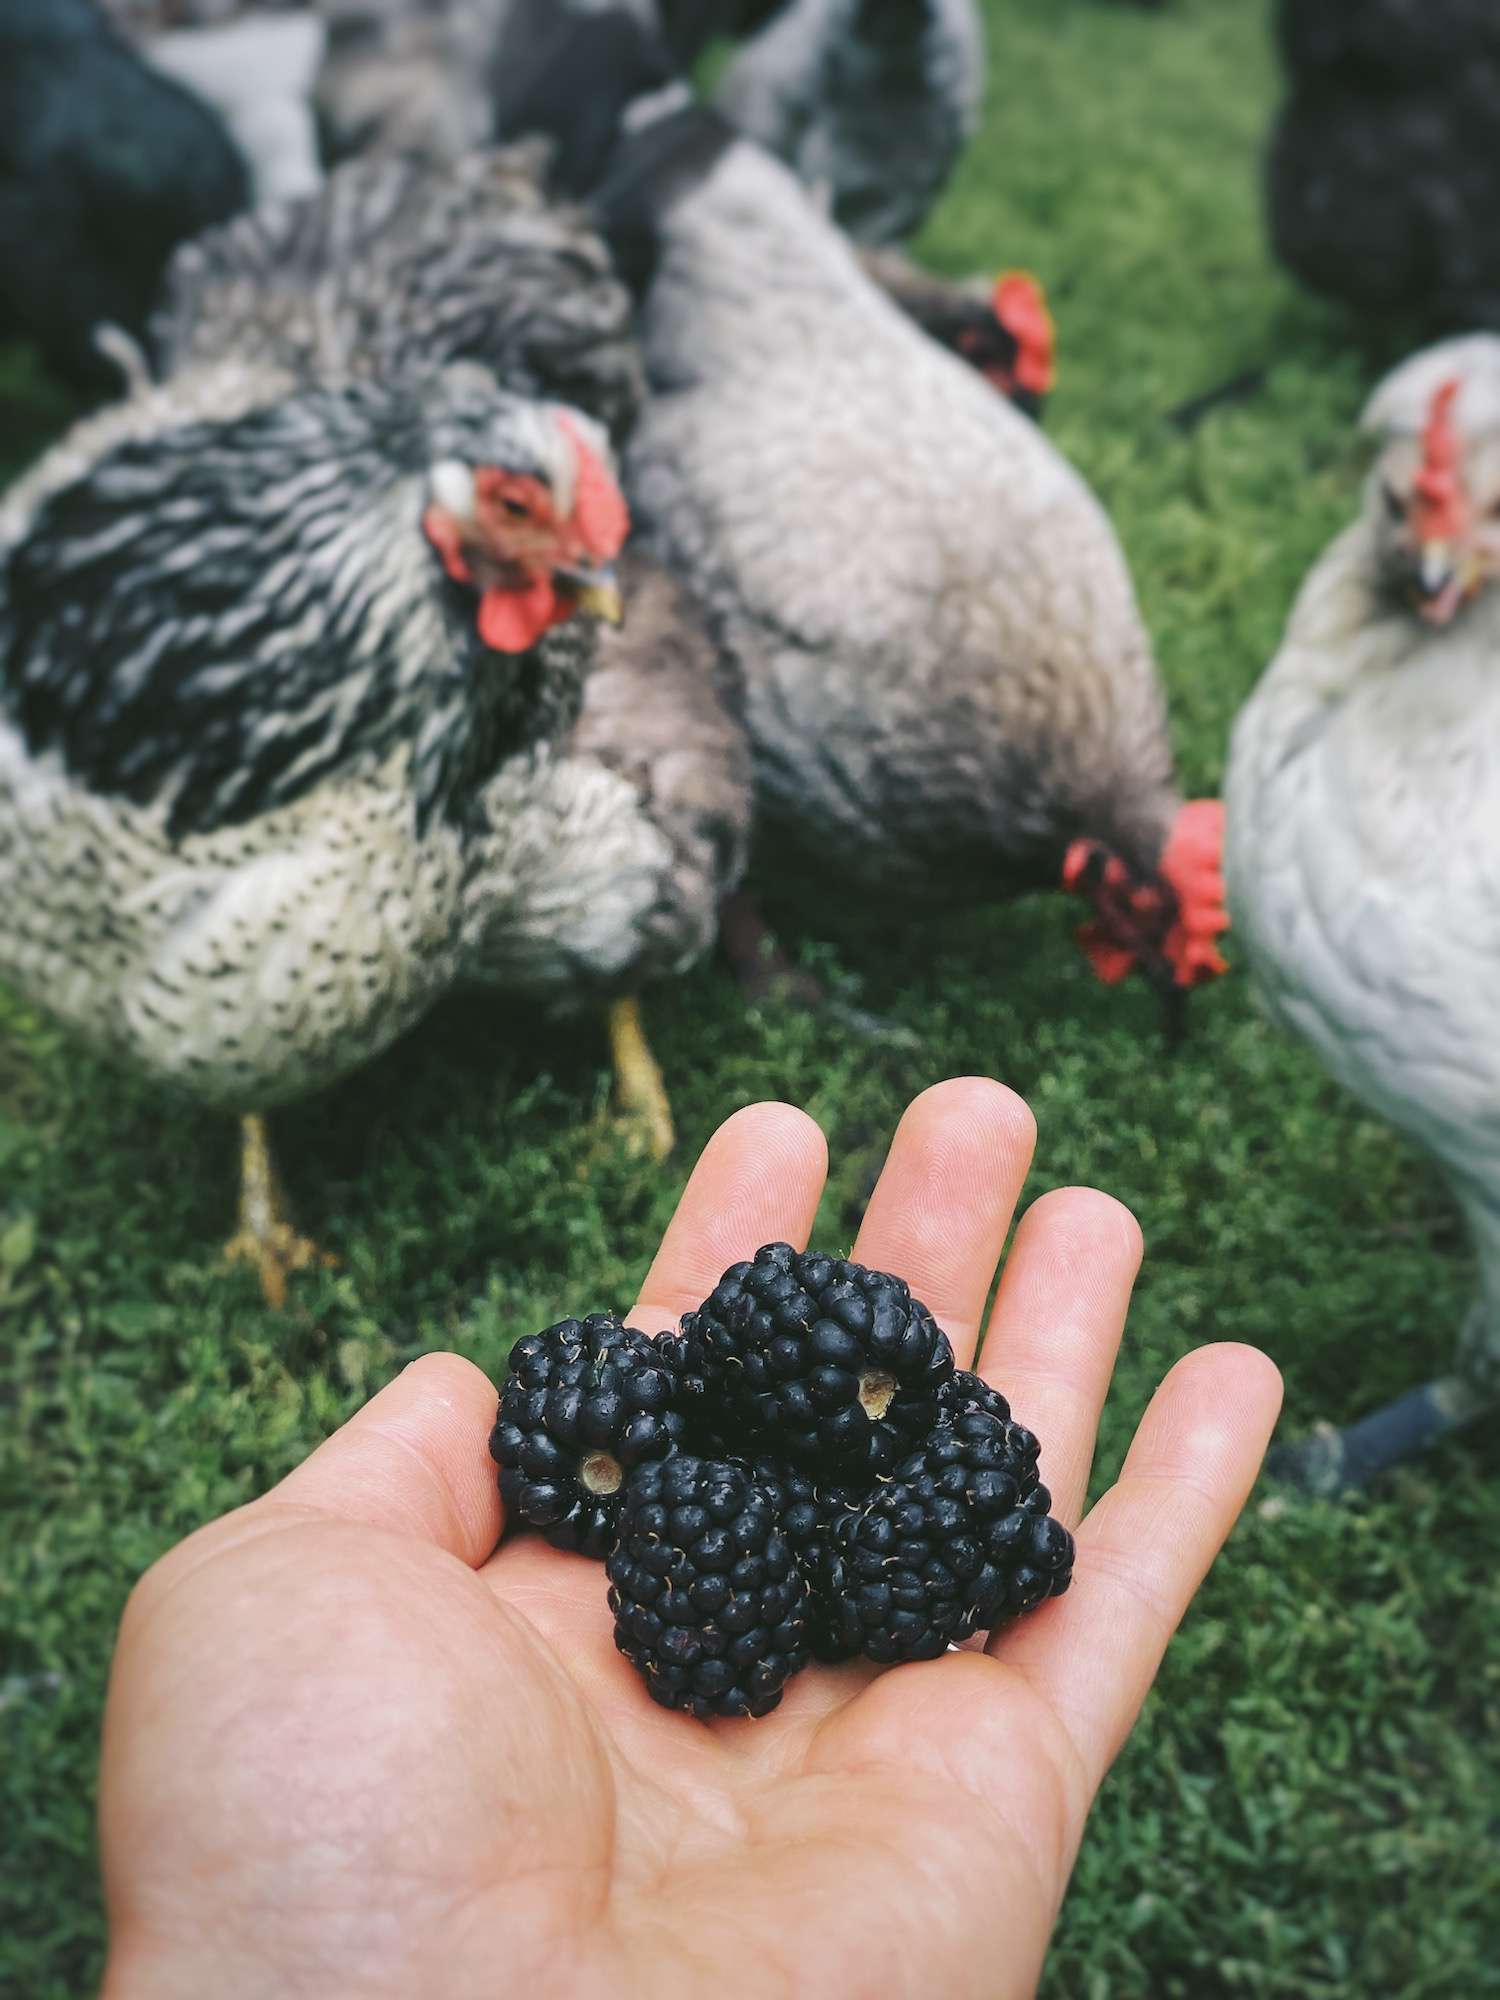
{"points": [[511, 621], [1020, 305], [1192, 862], [1111, 962]]}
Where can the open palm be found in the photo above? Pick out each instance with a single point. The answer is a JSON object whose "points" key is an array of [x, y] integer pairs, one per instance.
{"points": [[354, 1749]]}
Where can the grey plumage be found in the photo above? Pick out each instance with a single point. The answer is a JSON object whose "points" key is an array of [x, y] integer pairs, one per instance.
{"points": [[396, 264], [948, 681], [610, 870]]}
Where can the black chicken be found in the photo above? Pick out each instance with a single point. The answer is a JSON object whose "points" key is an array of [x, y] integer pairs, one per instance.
{"points": [[1383, 176], [105, 166]]}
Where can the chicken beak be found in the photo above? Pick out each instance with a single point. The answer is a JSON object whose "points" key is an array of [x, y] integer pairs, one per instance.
{"points": [[1439, 587], [596, 592], [1434, 568]]}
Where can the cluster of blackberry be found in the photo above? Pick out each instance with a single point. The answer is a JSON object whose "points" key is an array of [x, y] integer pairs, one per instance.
{"points": [[800, 1473]]}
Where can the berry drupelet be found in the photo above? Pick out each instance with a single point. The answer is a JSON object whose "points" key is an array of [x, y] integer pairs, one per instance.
{"points": [[709, 1603], [584, 1402], [808, 1510], [817, 1359], [953, 1543]]}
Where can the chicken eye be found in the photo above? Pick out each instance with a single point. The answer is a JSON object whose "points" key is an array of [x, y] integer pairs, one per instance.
{"points": [[517, 509]]}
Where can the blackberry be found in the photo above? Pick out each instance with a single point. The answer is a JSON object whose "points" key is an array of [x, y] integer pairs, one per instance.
{"points": [[709, 1603], [702, 1414], [963, 1394], [952, 1543], [820, 1360], [584, 1402], [808, 1508], [964, 1390]]}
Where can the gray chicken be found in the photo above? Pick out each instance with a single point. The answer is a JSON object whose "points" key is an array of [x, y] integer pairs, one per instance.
{"points": [[262, 645], [871, 101], [610, 863], [950, 693]]}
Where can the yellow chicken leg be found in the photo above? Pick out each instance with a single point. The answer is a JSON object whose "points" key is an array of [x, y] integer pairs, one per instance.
{"points": [[265, 1237], [640, 1091]]}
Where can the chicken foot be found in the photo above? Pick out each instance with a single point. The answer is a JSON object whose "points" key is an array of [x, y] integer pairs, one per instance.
{"points": [[265, 1237], [1331, 1461], [764, 974], [640, 1089]]}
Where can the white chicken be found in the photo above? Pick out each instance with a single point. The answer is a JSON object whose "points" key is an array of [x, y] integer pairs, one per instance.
{"points": [[1364, 836]]}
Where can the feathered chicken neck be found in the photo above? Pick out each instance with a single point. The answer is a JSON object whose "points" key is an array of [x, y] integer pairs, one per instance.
{"points": [[306, 632], [746, 233], [1347, 626]]}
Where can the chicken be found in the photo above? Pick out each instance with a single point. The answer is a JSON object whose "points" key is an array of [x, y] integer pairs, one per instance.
{"points": [[105, 167], [1001, 327], [395, 263], [871, 101], [612, 872], [261, 647], [1383, 177], [950, 694], [609, 865], [1364, 836], [259, 74]]}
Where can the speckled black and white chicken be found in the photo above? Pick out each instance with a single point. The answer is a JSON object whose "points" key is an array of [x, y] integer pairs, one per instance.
{"points": [[262, 645], [950, 693], [1364, 838], [1383, 176]]}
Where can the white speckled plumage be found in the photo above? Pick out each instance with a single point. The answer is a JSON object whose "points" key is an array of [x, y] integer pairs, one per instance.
{"points": [[248, 952], [246, 968]]}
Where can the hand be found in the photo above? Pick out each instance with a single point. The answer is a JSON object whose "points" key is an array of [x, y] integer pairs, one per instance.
{"points": [[351, 1749]]}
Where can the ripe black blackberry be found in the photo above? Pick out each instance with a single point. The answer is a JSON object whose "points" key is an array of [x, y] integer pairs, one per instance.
{"points": [[584, 1401], [965, 1393], [709, 1603], [808, 1509], [820, 1360], [951, 1544]]}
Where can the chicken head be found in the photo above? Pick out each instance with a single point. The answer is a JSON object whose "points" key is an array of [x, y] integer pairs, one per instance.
{"points": [[531, 524], [1434, 495]]}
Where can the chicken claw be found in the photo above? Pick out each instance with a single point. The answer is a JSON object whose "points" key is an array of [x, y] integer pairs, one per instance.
{"points": [[265, 1237], [640, 1091]]}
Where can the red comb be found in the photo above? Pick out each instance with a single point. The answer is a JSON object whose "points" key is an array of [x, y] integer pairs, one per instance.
{"points": [[599, 510], [1020, 305], [1192, 861], [1440, 510]]}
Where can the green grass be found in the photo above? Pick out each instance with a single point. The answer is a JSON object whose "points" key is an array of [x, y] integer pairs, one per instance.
{"points": [[1312, 1803]]}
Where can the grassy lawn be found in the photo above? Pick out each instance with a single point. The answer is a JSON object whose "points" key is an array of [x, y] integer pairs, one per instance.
{"points": [[1312, 1803]]}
